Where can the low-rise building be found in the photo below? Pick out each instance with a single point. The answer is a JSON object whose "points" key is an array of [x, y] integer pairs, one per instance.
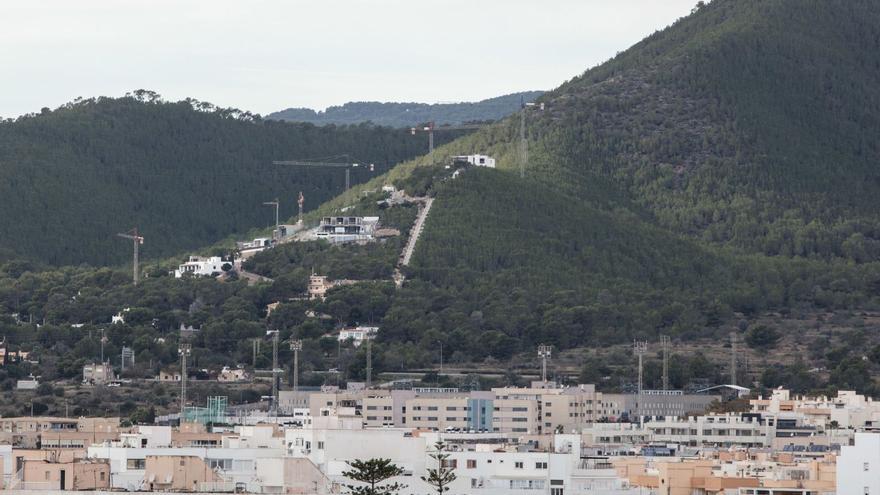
{"points": [[347, 229], [97, 373], [475, 160], [358, 335], [198, 266]]}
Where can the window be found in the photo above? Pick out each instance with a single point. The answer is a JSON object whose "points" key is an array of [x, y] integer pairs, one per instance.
{"points": [[432, 408], [471, 463], [136, 464], [540, 465], [518, 409], [451, 408], [450, 418], [371, 408], [371, 418], [556, 491], [320, 445], [46, 476], [866, 467], [102, 475], [450, 463], [518, 464], [526, 484]]}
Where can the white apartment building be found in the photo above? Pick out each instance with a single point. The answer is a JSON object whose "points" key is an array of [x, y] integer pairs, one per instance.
{"points": [[847, 410], [234, 461], [721, 430], [858, 466]]}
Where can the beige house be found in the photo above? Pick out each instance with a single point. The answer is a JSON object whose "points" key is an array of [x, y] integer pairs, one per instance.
{"points": [[179, 473], [40, 474]]}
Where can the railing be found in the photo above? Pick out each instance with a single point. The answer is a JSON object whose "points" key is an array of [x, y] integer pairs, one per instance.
{"points": [[217, 486], [39, 486]]}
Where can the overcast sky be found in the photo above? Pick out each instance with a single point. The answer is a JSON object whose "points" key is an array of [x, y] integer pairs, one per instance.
{"points": [[269, 55]]}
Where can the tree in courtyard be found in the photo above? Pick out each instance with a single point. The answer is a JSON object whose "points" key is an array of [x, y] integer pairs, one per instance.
{"points": [[372, 473], [444, 474]]}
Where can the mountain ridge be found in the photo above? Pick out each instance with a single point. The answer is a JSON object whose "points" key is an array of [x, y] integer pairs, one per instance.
{"points": [[408, 114]]}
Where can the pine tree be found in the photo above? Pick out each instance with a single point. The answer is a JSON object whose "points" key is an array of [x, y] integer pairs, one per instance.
{"points": [[443, 475], [372, 473]]}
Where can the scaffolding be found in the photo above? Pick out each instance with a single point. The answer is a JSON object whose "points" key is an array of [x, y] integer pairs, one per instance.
{"points": [[214, 413]]}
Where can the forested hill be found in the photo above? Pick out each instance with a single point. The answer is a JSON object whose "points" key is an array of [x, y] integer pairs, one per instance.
{"points": [[395, 114], [750, 123], [186, 174]]}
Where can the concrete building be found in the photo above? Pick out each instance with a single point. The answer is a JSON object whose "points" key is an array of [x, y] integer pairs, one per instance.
{"points": [[654, 403], [97, 373], [721, 430], [198, 266], [858, 466], [847, 410], [347, 229], [358, 335], [230, 375], [475, 160], [44, 475]]}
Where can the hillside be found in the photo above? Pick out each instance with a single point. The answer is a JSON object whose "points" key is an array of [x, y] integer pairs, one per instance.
{"points": [[186, 174], [394, 114], [716, 178], [749, 123]]}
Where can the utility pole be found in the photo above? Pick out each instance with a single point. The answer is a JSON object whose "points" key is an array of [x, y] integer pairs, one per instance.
{"points": [[664, 344], [275, 204], [296, 346], [369, 362], [544, 352], [103, 339], [640, 348], [184, 350], [733, 358], [300, 201], [275, 370], [136, 240], [256, 346]]}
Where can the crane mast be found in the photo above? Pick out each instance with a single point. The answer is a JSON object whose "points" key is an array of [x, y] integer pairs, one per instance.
{"points": [[137, 240]]}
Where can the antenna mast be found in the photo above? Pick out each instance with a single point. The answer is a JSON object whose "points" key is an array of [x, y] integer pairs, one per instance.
{"points": [[733, 358], [544, 352], [296, 346], [184, 350], [664, 344], [275, 370], [639, 349]]}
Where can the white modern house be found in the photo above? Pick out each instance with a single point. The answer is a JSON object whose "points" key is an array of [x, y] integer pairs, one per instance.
{"points": [[475, 160], [198, 266], [358, 334]]}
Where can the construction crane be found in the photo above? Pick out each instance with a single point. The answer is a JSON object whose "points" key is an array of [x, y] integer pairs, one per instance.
{"points": [[348, 165], [275, 204], [136, 240], [523, 142], [430, 128]]}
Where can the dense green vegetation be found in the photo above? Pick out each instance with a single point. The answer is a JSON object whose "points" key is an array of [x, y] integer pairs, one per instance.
{"points": [[718, 177], [410, 114], [186, 174]]}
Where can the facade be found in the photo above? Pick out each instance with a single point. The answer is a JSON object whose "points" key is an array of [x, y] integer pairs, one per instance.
{"points": [[475, 160], [347, 229], [199, 266], [722, 430], [230, 375], [97, 373], [858, 466], [358, 335]]}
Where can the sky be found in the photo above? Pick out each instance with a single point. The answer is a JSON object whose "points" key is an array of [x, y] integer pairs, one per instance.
{"points": [[267, 55]]}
